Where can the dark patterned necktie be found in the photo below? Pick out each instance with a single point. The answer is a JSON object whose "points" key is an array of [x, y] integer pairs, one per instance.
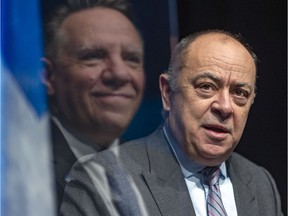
{"points": [[123, 194], [214, 202]]}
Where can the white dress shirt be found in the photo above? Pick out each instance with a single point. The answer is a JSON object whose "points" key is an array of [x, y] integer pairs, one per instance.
{"points": [[197, 189]]}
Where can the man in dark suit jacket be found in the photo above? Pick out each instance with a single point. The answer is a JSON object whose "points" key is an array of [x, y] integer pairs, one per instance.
{"points": [[157, 173], [95, 78], [206, 94], [159, 179]]}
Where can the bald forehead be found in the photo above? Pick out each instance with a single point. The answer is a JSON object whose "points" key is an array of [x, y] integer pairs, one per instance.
{"points": [[217, 43], [213, 37], [216, 40], [103, 16], [217, 35], [98, 19], [220, 52]]}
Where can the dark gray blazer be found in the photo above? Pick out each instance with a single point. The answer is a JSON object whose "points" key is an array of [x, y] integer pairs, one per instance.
{"points": [[160, 181]]}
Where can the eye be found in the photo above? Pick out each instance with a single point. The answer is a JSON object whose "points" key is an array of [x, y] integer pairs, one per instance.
{"points": [[241, 93], [132, 58], [94, 54], [206, 89], [240, 96]]}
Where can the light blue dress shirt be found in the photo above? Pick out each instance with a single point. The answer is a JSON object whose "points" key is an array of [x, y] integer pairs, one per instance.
{"points": [[197, 189]]}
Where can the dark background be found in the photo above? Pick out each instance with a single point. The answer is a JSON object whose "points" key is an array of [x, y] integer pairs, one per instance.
{"points": [[263, 23]]}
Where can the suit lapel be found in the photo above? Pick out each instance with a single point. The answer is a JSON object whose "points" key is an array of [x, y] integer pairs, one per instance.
{"points": [[244, 193], [63, 157], [165, 179]]}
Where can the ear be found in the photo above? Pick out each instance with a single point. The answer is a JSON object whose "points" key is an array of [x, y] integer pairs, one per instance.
{"points": [[48, 76], [165, 91]]}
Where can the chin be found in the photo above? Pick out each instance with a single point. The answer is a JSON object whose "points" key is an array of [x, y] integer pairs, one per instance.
{"points": [[215, 154], [117, 125]]}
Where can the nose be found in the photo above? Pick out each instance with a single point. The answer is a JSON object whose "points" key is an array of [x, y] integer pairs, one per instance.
{"points": [[222, 106], [116, 72]]}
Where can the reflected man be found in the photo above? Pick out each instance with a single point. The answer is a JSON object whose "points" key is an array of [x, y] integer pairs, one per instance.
{"points": [[95, 78]]}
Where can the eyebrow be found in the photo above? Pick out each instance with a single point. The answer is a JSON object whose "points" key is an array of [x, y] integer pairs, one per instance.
{"points": [[91, 51], [244, 84], [207, 75], [218, 79], [85, 49], [105, 48]]}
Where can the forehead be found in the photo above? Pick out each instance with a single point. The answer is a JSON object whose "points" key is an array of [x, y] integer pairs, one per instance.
{"points": [[99, 24], [219, 54]]}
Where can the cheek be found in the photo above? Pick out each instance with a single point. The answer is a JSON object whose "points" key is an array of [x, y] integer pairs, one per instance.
{"points": [[80, 79], [198, 106], [138, 80], [240, 118], [186, 118], [197, 109]]}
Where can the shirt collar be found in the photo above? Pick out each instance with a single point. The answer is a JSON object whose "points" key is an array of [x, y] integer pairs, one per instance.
{"points": [[188, 166], [79, 147]]}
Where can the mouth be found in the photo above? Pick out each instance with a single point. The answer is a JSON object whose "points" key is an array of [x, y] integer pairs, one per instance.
{"points": [[112, 95], [217, 128], [217, 132], [116, 100]]}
